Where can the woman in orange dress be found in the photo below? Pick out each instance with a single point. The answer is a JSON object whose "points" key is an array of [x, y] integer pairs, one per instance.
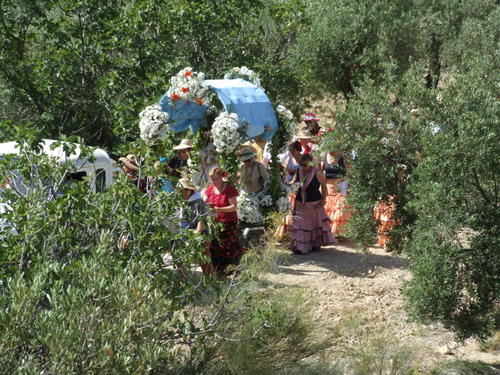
{"points": [[384, 217], [338, 211]]}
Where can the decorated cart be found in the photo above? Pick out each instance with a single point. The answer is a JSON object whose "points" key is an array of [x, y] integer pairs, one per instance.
{"points": [[244, 113]]}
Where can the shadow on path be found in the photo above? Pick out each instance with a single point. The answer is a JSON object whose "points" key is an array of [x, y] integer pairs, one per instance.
{"points": [[344, 260]]}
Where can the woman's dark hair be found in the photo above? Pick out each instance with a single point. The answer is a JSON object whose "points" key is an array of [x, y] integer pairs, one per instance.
{"points": [[305, 158], [295, 146]]}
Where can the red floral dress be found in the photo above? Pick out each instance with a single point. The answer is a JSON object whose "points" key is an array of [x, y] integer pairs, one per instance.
{"points": [[226, 249]]}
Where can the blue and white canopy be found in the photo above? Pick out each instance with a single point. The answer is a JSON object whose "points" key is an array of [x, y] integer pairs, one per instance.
{"points": [[247, 100]]}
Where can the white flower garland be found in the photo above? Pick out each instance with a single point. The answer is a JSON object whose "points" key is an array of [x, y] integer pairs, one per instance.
{"points": [[265, 199], [244, 73], [153, 124], [288, 127], [225, 131], [281, 110], [188, 85], [248, 209], [283, 205]]}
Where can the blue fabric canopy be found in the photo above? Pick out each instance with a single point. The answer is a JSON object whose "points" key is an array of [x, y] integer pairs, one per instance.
{"points": [[249, 102], [183, 114]]}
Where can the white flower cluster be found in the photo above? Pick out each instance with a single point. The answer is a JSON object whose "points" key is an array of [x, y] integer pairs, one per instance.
{"points": [[188, 85], [288, 127], [287, 189], [265, 199], [225, 131], [248, 209], [244, 73], [284, 112], [283, 204], [153, 124]]}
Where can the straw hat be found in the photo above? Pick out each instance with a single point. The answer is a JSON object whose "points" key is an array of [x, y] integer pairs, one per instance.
{"points": [[247, 153], [186, 183], [310, 117], [185, 144], [130, 162]]}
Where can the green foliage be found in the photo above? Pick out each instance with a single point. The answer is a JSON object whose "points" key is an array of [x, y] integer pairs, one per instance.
{"points": [[90, 315], [75, 298], [455, 251], [349, 40], [384, 137], [464, 368], [446, 194], [87, 68]]}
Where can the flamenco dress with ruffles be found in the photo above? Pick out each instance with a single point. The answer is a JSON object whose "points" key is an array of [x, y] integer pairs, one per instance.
{"points": [[310, 228], [289, 164], [383, 213], [225, 249], [336, 206]]}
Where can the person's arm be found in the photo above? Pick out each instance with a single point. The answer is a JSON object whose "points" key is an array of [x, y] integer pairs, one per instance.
{"points": [[295, 177], [324, 192], [204, 195], [233, 206], [199, 227]]}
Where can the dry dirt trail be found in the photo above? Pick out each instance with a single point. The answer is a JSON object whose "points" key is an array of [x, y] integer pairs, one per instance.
{"points": [[362, 291]]}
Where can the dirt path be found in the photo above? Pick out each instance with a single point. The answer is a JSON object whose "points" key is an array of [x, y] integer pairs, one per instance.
{"points": [[365, 288]]}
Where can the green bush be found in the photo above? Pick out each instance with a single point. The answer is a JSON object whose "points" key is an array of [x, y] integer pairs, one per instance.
{"points": [[464, 368], [73, 301]]}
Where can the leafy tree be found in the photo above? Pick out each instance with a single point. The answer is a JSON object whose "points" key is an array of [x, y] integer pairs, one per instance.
{"points": [[446, 195], [76, 298], [455, 249], [349, 40], [87, 68]]}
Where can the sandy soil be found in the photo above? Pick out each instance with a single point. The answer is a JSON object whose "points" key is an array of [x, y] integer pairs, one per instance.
{"points": [[342, 281]]}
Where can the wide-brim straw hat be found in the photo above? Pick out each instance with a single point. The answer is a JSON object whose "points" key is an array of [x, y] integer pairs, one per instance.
{"points": [[247, 153], [310, 117], [185, 144], [186, 183], [130, 162]]}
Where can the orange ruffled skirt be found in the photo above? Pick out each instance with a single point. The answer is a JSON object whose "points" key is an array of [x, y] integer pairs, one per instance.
{"points": [[384, 216], [337, 208]]}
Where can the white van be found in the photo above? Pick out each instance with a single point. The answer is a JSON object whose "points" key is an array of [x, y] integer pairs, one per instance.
{"points": [[100, 169]]}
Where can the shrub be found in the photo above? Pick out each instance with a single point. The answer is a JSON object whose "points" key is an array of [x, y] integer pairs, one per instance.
{"points": [[72, 300]]}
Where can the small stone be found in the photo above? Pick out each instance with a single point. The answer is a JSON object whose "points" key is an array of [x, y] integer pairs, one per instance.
{"points": [[446, 350]]}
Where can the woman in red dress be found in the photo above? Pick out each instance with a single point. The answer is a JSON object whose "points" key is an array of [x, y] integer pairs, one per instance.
{"points": [[226, 249]]}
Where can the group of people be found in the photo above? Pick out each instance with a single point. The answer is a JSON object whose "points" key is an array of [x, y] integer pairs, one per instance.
{"points": [[318, 212], [319, 209]]}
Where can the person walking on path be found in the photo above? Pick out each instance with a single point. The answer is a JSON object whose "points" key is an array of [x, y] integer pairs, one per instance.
{"points": [[180, 162], [225, 248], [253, 174], [312, 125], [338, 211], [311, 225]]}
